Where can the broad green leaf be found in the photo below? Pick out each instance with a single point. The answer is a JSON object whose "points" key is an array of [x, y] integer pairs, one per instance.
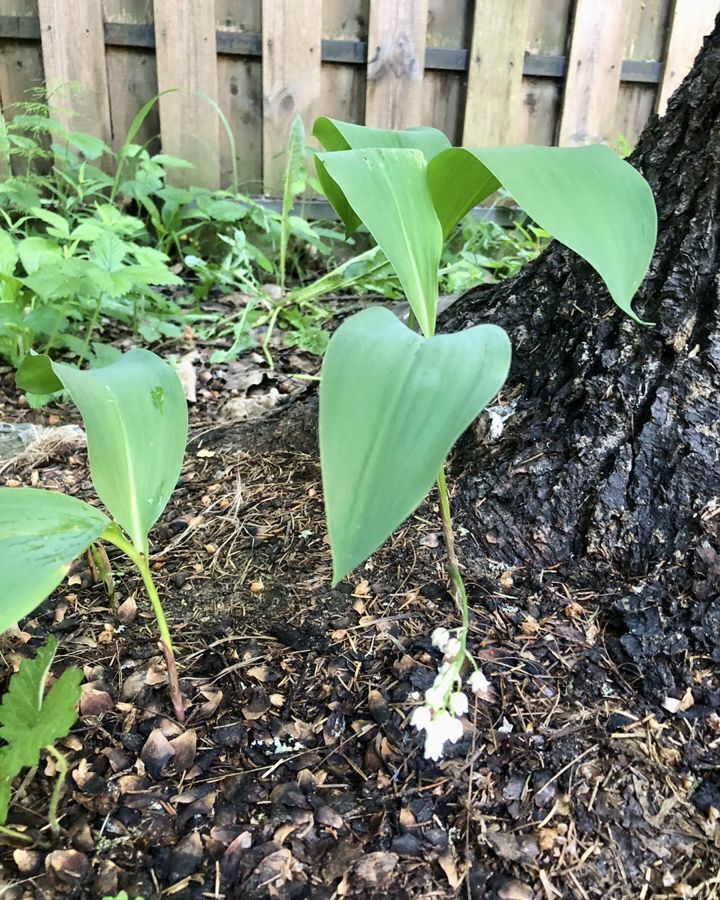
{"points": [[90, 146], [41, 533], [62, 278], [8, 254], [336, 135], [135, 417], [108, 252], [30, 721], [388, 189], [58, 224], [588, 198], [37, 252], [392, 404]]}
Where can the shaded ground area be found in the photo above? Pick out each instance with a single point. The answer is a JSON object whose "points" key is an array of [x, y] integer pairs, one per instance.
{"points": [[296, 774]]}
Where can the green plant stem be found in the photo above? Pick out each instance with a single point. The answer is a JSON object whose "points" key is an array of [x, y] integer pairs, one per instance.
{"points": [[57, 789], [114, 536], [88, 334], [16, 835], [459, 592]]}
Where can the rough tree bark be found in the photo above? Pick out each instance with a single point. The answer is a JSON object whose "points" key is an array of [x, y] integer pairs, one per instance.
{"points": [[610, 460], [609, 464]]}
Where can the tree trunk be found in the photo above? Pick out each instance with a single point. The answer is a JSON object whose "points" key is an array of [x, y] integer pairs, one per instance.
{"points": [[609, 462]]}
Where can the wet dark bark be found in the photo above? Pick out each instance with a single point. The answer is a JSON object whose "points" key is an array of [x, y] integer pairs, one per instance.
{"points": [[612, 452], [610, 463]]}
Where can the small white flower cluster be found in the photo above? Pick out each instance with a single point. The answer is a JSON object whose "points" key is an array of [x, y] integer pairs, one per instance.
{"points": [[439, 716]]}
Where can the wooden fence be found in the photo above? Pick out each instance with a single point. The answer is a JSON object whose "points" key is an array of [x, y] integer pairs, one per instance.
{"points": [[485, 72]]}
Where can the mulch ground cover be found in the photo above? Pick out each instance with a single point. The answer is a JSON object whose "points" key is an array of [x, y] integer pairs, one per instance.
{"points": [[296, 774]]}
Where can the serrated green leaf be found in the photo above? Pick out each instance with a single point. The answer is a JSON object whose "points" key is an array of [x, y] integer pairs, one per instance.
{"points": [[108, 252], [61, 278], [41, 533], [392, 404], [58, 224], [30, 721]]}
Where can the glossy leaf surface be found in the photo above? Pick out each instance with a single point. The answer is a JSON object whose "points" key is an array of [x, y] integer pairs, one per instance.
{"points": [[392, 404]]}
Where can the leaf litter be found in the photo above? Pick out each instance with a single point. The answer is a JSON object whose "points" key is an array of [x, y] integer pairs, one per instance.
{"points": [[296, 774]]}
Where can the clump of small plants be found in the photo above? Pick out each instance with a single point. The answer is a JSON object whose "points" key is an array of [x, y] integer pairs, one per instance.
{"points": [[394, 398], [135, 417]]}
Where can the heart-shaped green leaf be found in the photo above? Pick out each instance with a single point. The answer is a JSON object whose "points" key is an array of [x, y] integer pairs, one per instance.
{"points": [[389, 190], [41, 533], [392, 404], [135, 417], [587, 197]]}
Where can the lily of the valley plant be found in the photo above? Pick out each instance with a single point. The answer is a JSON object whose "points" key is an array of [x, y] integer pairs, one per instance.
{"points": [[392, 401], [135, 417]]}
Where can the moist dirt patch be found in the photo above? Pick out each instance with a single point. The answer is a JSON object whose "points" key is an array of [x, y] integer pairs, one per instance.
{"points": [[296, 774]]}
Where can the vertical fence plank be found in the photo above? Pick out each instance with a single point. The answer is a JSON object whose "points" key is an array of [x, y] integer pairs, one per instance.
{"points": [[396, 57], [240, 97], [132, 74], [494, 94], [593, 74], [645, 40], [292, 33], [443, 97], [187, 64], [343, 87], [73, 49], [539, 114], [691, 20]]}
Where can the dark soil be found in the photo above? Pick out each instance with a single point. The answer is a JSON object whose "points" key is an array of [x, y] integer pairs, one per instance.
{"points": [[296, 774]]}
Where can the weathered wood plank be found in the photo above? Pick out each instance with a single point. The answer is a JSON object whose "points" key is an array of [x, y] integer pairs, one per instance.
{"points": [[74, 54], [645, 41], [443, 98], [539, 113], [187, 61], [396, 53], [132, 75], [593, 76], [494, 93], [292, 33], [240, 97], [691, 20], [342, 87]]}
